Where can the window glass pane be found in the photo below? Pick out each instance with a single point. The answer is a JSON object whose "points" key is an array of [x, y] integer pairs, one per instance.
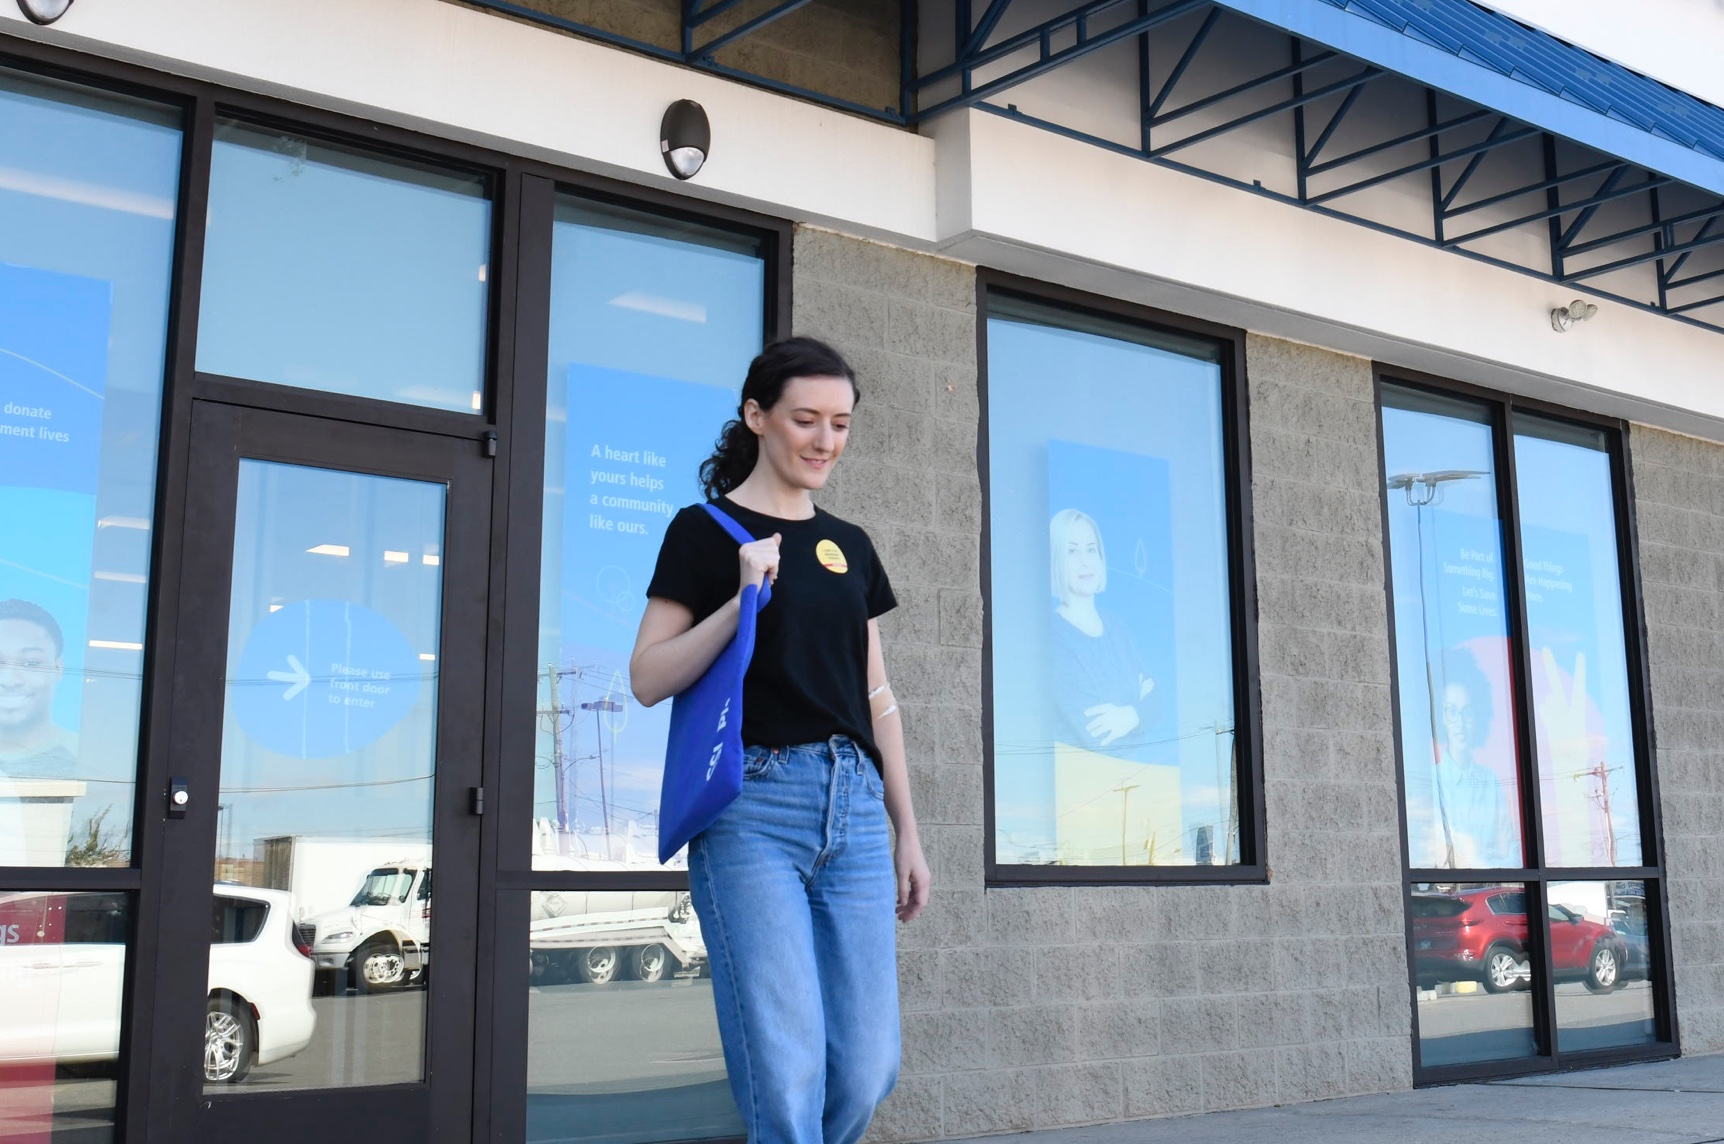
{"points": [[1581, 715], [625, 971], [653, 324], [328, 268], [1113, 688], [1451, 633], [328, 778], [1472, 973], [1602, 952], [88, 187], [62, 964]]}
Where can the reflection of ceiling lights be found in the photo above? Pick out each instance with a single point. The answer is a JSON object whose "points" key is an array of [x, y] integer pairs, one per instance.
{"points": [[117, 645], [329, 550], [661, 306], [427, 657], [431, 559], [44, 11], [392, 557]]}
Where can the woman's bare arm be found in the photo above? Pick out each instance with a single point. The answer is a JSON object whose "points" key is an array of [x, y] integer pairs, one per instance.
{"points": [[912, 867], [672, 651]]}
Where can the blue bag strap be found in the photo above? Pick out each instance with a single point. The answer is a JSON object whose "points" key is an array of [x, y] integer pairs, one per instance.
{"points": [[742, 536]]}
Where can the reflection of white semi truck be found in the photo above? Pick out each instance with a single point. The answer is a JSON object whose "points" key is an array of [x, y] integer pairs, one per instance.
{"points": [[377, 937]]}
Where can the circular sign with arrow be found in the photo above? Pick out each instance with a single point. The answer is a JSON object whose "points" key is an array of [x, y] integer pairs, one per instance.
{"points": [[320, 678]]}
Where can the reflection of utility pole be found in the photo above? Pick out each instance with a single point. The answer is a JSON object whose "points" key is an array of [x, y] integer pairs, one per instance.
{"points": [[1124, 790], [1424, 490], [1601, 797], [599, 706]]}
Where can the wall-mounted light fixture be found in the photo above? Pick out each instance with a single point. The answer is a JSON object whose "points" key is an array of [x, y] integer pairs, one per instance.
{"points": [[1563, 317], [684, 138], [44, 11]]}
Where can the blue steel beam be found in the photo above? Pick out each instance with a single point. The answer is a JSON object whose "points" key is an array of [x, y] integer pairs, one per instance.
{"points": [[1711, 212], [1334, 124], [1532, 188], [1585, 206], [1261, 113], [1239, 89], [1178, 71], [984, 28], [717, 43], [1427, 164], [1691, 245], [1040, 39], [1676, 267], [1400, 141]]}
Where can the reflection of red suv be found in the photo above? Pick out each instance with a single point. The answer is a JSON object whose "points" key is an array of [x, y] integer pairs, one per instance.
{"points": [[1481, 935]]}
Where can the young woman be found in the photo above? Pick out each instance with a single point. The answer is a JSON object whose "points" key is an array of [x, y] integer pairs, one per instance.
{"points": [[794, 883]]}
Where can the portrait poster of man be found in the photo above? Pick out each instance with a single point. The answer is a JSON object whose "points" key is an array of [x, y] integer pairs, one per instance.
{"points": [[1110, 678], [53, 371]]}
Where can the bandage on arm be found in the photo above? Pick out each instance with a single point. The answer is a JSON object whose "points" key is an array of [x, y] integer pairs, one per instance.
{"points": [[881, 702]]}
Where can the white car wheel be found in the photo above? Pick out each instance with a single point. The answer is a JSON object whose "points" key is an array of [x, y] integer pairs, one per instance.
{"points": [[378, 968], [230, 1042]]}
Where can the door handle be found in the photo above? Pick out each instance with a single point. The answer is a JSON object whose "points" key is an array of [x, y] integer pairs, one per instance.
{"points": [[179, 795]]}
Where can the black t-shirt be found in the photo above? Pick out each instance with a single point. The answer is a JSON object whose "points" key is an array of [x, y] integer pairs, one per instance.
{"points": [[808, 679]]}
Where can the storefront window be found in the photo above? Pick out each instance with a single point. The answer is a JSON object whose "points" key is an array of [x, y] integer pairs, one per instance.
{"points": [[62, 969], [1451, 626], [1493, 672], [653, 324], [88, 187], [331, 269], [1114, 741], [625, 971], [1575, 632]]}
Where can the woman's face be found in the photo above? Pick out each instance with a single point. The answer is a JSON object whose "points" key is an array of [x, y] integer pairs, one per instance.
{"points": [[1082, 558], [804, 432], [1458, 719]]}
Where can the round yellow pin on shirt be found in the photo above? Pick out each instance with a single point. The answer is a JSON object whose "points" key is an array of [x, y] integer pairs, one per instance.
{"points": [[831, 557]]}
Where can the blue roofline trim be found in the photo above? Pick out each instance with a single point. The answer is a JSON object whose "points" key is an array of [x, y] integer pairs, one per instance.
{"points": [[1468, 51]]}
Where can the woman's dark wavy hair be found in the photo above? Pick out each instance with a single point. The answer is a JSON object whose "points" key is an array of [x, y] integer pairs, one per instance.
{"points": [[738, 448]]}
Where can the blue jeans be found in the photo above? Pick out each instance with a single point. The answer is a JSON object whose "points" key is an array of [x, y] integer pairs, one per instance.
{"points": [[796, 893]]}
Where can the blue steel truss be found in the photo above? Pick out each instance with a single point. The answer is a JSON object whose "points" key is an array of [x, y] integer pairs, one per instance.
{"points": [[1596, 214]]}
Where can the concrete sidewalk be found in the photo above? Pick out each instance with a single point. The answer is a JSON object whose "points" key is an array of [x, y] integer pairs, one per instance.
{"points": [[1671, 1102]]}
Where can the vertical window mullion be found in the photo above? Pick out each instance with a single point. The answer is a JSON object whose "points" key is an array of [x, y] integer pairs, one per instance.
{"points": [[1532, 804]]}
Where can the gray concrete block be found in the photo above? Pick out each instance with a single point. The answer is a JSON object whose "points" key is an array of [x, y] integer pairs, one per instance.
{"points": [[1310, 1072], [1296, 364], [950, 920], [1030, 916], [1162, 1086], [1199, 1025], [1076, 973], [1036, 1035], [1268, 1020], [987, 977], [958, 503], [1245, 1079], [950, 1040], [1118, 1029], [912, 1112], [843, 316], [1079, 1094], [960, 617], [919, 986], [998, 1100], [1382, 1064], [1159, 969]]}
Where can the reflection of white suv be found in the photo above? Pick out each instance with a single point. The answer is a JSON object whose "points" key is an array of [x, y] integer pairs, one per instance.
{"points": [[62, 960]]}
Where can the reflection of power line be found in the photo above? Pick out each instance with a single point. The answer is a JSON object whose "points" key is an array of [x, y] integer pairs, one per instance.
{"points": [[1423, 490], [325, 786]]}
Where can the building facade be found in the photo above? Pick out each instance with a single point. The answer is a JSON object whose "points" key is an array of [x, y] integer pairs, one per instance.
{"points": [[1294, 432]]}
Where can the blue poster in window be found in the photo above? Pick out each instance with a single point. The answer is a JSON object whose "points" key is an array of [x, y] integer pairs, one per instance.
{"points": [[1110, 671], [635, 445], [53, 379]]}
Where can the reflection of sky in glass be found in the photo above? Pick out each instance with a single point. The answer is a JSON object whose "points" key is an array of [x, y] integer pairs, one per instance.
{"points": [[1451, 630], [1574, 611], [1047, 384], [88, 186], [643, 296], [329, 270], [317, 534]]}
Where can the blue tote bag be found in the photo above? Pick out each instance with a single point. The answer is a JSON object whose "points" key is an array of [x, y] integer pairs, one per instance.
{"points": [[703, 759]]}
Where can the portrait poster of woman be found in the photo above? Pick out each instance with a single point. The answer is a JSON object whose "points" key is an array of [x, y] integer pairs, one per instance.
{"points": [[1111, 686]]}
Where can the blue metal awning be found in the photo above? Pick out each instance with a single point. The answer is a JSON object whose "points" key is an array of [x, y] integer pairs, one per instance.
{"points": [[1532, 154], [1458, 47]]}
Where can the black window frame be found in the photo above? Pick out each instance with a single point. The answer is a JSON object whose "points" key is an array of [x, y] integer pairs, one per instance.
{"points": [[1535, 877], [522, 191], [1253, 867]]}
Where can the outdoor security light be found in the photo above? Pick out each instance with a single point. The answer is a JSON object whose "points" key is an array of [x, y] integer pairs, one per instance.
{"points": [[44, 11], [684, 138], [1563, 317]]}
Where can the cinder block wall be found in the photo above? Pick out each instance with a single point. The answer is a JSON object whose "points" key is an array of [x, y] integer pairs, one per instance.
{"points": [[1028, 1008], [1679, 506]]}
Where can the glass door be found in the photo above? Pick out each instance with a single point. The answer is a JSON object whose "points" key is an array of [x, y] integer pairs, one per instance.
{"points": [[327, 738]]}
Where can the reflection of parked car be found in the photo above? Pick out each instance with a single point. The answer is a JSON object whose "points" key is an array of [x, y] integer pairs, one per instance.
{"points": [[63, 959], [1481, 935]]}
